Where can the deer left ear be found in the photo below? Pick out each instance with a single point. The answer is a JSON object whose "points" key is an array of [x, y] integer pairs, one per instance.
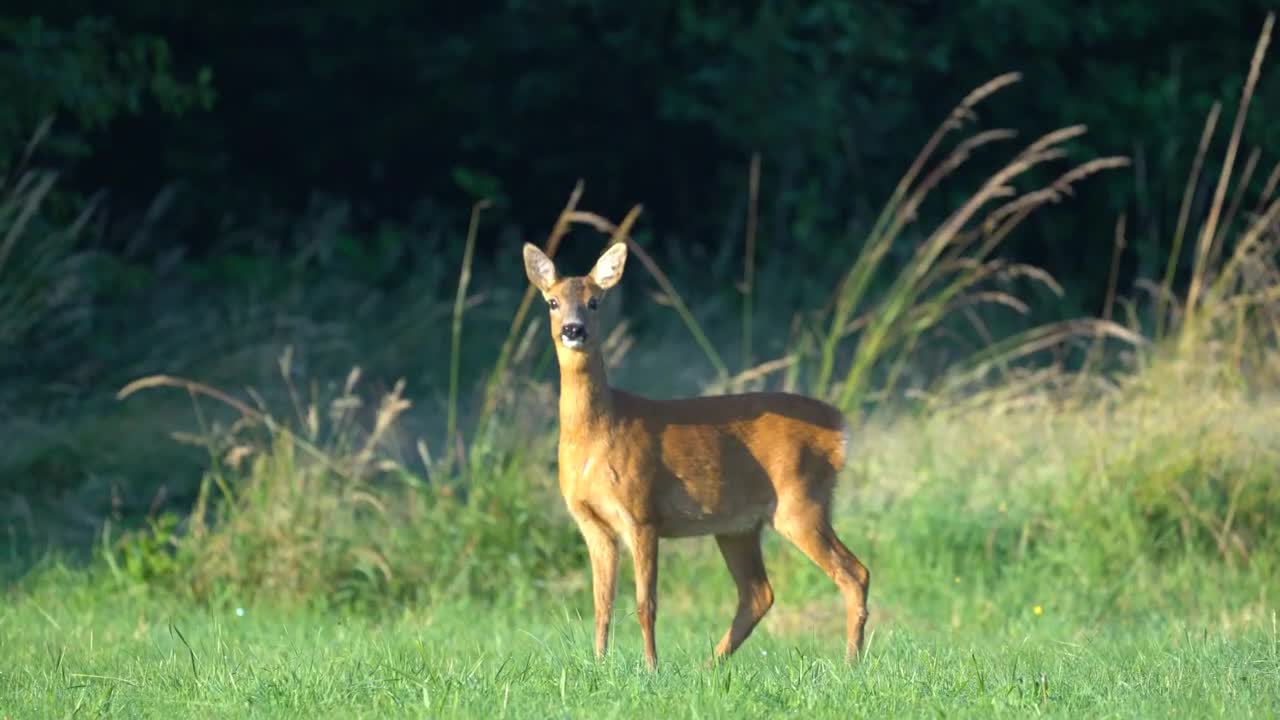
{"points": [[608, 269], [539, 268]]}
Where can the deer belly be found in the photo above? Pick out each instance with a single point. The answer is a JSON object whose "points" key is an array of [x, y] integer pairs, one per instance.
{"points": [[712, 488], [684, 516]]}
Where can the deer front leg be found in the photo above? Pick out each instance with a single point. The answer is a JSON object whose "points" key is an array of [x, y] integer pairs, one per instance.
{"points": [[602, 546], [644, 553]]}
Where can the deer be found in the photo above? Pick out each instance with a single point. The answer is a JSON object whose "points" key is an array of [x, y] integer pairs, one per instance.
{"points": [[634, 469]]}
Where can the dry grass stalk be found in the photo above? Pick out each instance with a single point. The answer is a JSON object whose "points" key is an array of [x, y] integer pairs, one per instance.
{"points": [[1054, 192], [949, 164], [753, 374], [1242, 186], [459, 305], [1250, 245], [1114, 276], [996, 186], [961, 113], [29, 199], [749, 261], [392, 406], [1268, 189], [1211, 223], [1184, 212], [1035, 340]]}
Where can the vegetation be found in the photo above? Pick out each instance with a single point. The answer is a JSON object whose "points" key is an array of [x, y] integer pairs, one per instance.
{"points": [[215, 502], [226, 135], [979, 649]]}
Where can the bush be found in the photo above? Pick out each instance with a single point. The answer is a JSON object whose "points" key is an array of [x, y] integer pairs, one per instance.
{"points": [[321, 510]]}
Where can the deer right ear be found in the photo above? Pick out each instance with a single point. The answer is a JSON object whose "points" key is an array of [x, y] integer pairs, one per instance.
{"points": [[608, 269], [539, 268]]}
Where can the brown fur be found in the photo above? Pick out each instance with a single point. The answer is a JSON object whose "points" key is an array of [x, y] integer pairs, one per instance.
{"points": [[636, 469]]}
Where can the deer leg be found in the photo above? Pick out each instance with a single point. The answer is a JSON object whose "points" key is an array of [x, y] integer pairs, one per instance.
{"points": [[602, 546], [855, 593], [810, 531], [743, 555], [644, 553]]}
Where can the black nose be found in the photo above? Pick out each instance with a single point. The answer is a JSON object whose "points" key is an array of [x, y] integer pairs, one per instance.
{"points": [[573, 331]]}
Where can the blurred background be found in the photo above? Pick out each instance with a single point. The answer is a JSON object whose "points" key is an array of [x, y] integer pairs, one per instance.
{"points": [[260, 198], [216, 129]]}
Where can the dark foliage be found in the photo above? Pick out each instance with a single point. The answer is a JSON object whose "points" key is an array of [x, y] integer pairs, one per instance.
{"points": [[410, 110]]}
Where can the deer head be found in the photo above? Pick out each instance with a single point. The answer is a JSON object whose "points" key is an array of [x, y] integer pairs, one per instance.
{"points": [[572, 302]]}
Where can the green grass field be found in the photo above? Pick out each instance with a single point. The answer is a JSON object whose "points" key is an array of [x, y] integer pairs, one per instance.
{"points": [[1036, 641]]}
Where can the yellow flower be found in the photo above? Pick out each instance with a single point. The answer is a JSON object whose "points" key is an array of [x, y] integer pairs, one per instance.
{"points": [[1037, 610]]}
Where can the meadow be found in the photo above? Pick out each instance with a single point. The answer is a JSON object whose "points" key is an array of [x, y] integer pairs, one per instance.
{"points": [[980, 647], [1071, 518], [1028, 569]]}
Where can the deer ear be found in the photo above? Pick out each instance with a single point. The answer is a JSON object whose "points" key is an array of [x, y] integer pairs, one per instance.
{"points": [[539, 268], [608, 269]]}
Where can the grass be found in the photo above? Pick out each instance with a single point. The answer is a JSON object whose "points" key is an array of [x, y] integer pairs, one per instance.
{"points": [[1039, 633], [39, 266], [152, 658], [1089, 538]]}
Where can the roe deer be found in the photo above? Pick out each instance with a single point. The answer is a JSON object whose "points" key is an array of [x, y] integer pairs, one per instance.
{"points": [[637, 469]]}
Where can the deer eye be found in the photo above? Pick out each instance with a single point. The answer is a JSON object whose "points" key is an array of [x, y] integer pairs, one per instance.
{"points": [[555, 304], [593, 303]]}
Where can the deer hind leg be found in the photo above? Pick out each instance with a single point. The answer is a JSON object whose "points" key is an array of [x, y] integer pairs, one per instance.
{"points": [[809, 529], [743, 555]]}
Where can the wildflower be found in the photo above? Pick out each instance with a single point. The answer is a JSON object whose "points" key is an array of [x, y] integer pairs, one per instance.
{"points": [[1037, 610]]}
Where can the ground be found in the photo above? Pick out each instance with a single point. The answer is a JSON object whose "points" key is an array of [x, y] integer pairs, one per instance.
{"points": [[79, 644]]}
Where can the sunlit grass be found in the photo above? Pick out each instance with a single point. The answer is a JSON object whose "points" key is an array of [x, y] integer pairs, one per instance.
{"points": [[1024, 638]]}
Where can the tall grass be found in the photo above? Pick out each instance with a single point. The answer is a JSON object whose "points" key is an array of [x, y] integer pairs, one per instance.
{"points": [[459, 305], [40, 266], [1208, 234], [318, 508], [749, 256]]}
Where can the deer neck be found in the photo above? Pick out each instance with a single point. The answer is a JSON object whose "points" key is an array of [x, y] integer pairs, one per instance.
{"points": [[586, 403]]}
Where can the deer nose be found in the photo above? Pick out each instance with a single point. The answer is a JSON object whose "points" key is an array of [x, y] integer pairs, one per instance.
{"points": [[573, 331]]}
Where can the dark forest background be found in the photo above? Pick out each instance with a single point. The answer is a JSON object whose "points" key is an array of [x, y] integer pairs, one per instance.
{"points": [[191, 187], [245, 117]]}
